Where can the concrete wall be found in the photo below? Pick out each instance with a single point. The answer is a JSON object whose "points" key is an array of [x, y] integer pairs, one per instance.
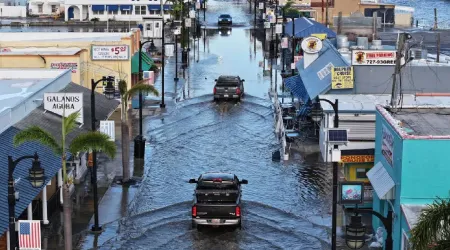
{"points": [[394, 170], [425, 162], [415, 79], [35, 61], [13, 11]]}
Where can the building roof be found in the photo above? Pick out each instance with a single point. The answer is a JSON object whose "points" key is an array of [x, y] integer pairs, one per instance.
{"points": [[412, 213], [39, 51], [304, 27], [359, 103], [50, 162], [52, 122], [64, 36], [317, 76]]}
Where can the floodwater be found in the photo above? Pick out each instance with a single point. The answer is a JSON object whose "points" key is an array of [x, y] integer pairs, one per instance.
{"points": [[286, 205]]}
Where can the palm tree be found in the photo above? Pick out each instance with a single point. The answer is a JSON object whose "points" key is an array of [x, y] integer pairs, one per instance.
{"points": [[125, 96], [432, 230], [289, 10], [84, 142]]}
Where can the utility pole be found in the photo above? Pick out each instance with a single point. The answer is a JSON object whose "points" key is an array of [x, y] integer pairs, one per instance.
{"points": [[435, 19], [326, 14], [398, 57], [438, 46], [339, 27]]}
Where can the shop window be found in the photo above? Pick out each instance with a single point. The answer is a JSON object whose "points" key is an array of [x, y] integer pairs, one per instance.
{"points": [[140, 9], [149, 26], [125, 12], [54, 9], [40, 8], [361, 173]]}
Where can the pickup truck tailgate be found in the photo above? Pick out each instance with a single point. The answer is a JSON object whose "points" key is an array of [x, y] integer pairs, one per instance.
{"points": [[216, 210]]}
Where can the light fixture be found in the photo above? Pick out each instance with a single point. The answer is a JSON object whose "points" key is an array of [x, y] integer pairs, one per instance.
{"points": [[110, 89], [355, 233], [316, 112], [152, 49], [36, 175]]}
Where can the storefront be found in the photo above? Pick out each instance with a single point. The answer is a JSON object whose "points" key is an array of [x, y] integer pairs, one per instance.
{"points": [[89, 55]]}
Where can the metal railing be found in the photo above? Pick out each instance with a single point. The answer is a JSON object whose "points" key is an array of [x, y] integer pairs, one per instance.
{"points": [[279, 126]]}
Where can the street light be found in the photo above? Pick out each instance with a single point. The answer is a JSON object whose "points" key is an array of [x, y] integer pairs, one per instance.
{"points": [[317, 115], [152, 48], [109, 92], [355, 233], [36, 177]]}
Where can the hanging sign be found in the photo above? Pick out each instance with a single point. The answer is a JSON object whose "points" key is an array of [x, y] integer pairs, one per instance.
{"points": [[192, 13], [284, 43], [188, 22], [267, 25], [279, 28], [107, 127], [292, 65], [177, 31], [29, 234], [387, 145], [311, 45], [149, 76], [169, 49], [261, 6], [342, 77], [67, 103], [351, 192], [373, 57]]}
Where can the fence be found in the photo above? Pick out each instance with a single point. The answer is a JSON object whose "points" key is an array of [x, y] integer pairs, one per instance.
{"points": [[279, 126]]}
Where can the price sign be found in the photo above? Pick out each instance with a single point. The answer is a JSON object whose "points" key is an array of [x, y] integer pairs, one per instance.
{"points": [[110, 53]]}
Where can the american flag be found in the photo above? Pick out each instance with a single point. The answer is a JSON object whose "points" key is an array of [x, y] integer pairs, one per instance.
{"points": [[29, 234]]}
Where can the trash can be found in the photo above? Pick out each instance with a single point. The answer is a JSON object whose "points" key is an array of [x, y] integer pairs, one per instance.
{"points": [[139, 147]]}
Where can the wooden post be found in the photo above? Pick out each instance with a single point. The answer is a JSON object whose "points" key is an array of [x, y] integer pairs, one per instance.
{"points": [[435, 19], [438, 46], [326, 14], [339, 27], [375, 26]]}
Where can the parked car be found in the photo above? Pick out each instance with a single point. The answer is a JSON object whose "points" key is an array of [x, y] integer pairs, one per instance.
{"points": [[217, 200], [225, 19], [228, 87]]}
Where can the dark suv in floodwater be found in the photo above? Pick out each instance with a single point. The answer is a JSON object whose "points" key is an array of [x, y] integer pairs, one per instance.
{"points": [[229, 87], [225, 19], [217, 200]]}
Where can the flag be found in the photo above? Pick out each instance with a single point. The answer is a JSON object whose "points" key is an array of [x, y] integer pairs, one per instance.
{"points": [[29, 234]]}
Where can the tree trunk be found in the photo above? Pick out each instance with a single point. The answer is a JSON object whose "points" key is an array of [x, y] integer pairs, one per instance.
{"points": [[125, 151], [67, 210]]}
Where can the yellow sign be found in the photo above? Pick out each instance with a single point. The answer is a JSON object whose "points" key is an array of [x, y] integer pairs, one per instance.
{"points": [[357, 158], [321, 36], [342, 77]]}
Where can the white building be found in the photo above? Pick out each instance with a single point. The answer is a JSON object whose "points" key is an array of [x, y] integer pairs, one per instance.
{"points": [[12, 11], [45, 7], [119, 10], [357, 114]]}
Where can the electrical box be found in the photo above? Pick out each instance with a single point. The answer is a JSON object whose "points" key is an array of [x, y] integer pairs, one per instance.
{"points": [[335, 155]]}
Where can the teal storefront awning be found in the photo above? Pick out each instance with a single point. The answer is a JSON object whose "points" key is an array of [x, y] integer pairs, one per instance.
{"points": [[147, 62]]}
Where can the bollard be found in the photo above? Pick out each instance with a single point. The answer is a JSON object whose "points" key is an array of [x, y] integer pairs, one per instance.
{"points": [[184, 56]]}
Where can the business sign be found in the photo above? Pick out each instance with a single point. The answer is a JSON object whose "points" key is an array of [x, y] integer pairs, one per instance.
{"points": [[65, 65], [311, 45], [67, 103], [373, 57], [357, 158], [342, 77], [387, 145], [110, 52], [351, 192]]}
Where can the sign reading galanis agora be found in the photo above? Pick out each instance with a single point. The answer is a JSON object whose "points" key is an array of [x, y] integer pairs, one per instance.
{"points": [[66, 103]]}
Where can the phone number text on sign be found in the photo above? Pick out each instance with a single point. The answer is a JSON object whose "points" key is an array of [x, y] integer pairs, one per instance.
{"points": [[109, 53]]}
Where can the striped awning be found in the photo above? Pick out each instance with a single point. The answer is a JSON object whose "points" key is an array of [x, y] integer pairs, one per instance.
{"points": [[295, 84], [126, 7], [112, 7], [98, 7]]}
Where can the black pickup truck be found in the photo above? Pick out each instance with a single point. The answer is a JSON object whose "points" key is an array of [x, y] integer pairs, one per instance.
{"points": [[217, 200]]}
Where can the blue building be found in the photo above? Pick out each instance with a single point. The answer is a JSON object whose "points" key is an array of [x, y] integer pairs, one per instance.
{"points": [[411, 165]]}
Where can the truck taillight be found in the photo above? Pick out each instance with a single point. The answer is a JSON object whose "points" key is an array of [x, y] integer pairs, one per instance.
{"points": [[214, 91], [194, 211], [238, 211], [238, 91]]}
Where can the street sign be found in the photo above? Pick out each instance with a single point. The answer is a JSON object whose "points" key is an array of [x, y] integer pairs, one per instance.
{"points": [[261, 6], [177, 31], [279, 28], [188, 22]]}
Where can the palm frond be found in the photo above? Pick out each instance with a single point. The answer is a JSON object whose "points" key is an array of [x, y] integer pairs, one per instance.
{"points": [[145, 88], [70, 122], [37, 134], [123, 86], [433, 226], [93, 141]]}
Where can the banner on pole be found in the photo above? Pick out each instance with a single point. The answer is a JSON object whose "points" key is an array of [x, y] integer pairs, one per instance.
{"points": [[30, 234], [279, 28], [261, 6]]}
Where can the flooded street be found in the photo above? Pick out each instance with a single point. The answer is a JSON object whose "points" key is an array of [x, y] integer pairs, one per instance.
{"points": [[286, 205]]}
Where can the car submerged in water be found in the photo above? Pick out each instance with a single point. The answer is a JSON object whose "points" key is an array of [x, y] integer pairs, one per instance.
{"points": [[217, 200]]}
